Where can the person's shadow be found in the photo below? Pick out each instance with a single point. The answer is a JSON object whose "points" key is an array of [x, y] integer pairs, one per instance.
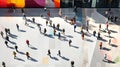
{"points": [[74, 46], [12, 42], [32, 47], [20, 59], [69, 36], [13, 36], [89, 40], [54, 58], [31, 27], [64, 58], [29, 20], [21, 52], [107, 49], [11, 47], [22, 30], [109, 61], [113, 45], [50, 36], [34, 60]]}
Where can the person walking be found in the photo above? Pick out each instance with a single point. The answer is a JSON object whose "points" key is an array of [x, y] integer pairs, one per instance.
{"points": [[13, 8], [81, 29], [8, 31], [46, 23], [72, 63], [75, 27], [50, 22], [58, 26], [100, 45], [70, 41], [38, 25], [53, 26], [112, 18], [27, 42], [45, 31], [22, 10], [24, 16], [2, 34], [33, 19], [28, 55], [54, 32], [83, 36], [109, 18], [63, 31], [107, 25], [98, 34], [59, 35], [26, 23], [7, 38], [87, 23], [14, 54], [48, 13], [60, 11], [40, 29], [6, 43], [116, 18], [74, 19], [59, 53], [109, 42], [99, 27], [16, 48], [94, 33], [65, 18], [109, 32], [87, 29], [3, 64], [17, 27], [49, 53], [105, 57]]}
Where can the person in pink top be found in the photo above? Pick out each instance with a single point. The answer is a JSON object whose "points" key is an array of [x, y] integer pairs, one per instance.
{"points": [[107, 24], [100, 45]]}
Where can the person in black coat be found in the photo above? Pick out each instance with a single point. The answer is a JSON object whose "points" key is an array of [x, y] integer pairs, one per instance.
{"points": [[45, 31], [3, 64], [59, 53], [16, 48], [6, 31], [98, 34], [72, 63], [49, 53], [33, 19], [6, 43], [59, 35], [2, 34], [17, 27], [7, 38], [94, 33], [70, 41]]}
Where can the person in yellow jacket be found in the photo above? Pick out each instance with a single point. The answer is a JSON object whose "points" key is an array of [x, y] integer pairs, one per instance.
{"points": [[54, 32], [14, 54]]}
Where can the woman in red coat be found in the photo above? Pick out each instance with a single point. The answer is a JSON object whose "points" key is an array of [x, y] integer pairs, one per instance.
{"points": [[27, 42]]}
